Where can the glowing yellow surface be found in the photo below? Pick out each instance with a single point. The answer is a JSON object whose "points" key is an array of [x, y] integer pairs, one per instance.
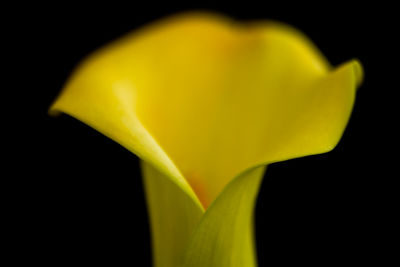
{"points": [[202, 98]]}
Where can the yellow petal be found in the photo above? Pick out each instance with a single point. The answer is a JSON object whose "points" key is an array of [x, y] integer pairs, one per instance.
{"points": [[173, 217], [202, 98], [225, 234]]}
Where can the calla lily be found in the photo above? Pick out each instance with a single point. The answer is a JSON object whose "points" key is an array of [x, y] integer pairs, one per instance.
{"points": [[206, 103]]}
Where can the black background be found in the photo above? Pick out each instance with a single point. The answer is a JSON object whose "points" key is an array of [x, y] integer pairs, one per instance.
{"points": [[79, 195]]}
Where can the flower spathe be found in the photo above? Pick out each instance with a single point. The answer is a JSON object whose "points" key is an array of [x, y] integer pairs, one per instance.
{"points": [[206, 103]]}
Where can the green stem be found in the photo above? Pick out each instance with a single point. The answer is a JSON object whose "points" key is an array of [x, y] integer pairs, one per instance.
{"points": [[183, 235]]}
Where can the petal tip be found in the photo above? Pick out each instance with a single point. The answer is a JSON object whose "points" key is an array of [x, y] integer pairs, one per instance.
{"points": [[53, 111], [358, 71]]}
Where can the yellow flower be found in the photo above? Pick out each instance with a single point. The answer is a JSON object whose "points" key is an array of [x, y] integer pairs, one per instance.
{"points": [[206, 103]]}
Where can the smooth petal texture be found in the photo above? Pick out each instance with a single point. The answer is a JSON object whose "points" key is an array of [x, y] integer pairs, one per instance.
{"points": [[202, 99], [173, 217], [229, 95], [183, 235], [225, 235]]}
